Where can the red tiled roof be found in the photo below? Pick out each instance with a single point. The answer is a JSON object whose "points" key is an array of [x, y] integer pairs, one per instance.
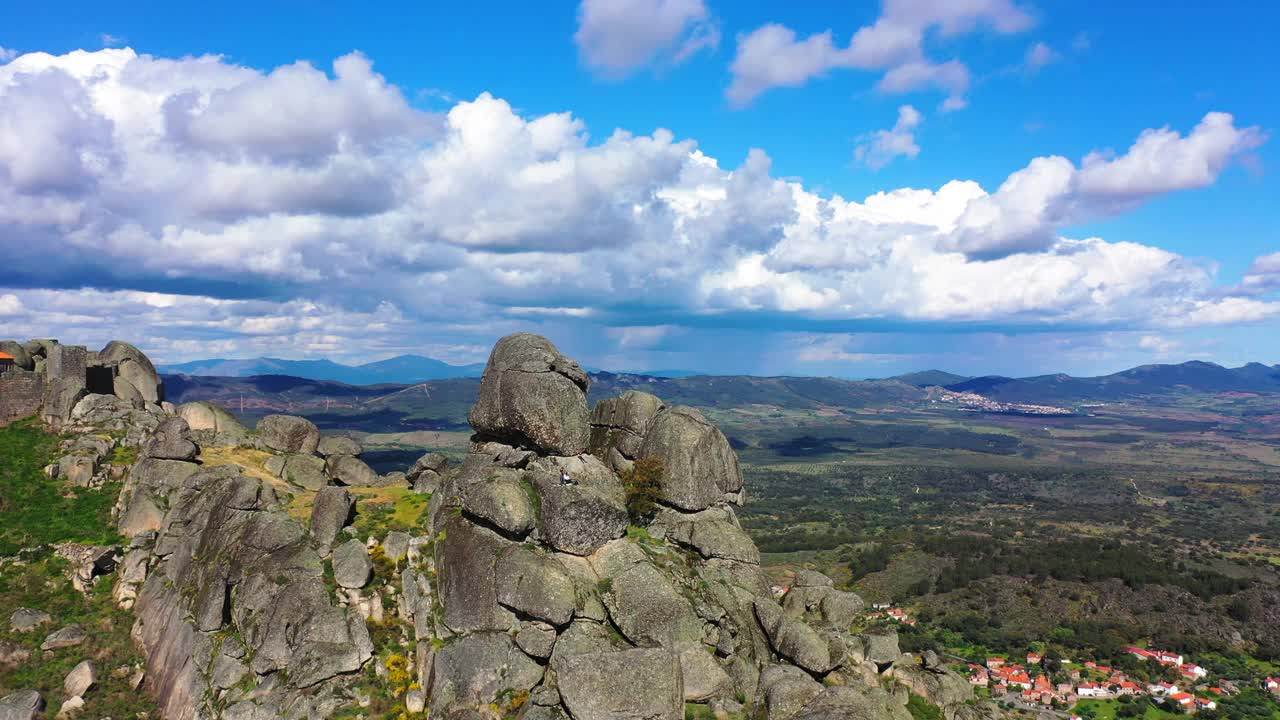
{"points": [[6, 356]]}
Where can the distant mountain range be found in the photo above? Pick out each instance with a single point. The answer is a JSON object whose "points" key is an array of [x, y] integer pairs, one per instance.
{"points": [[1145, 380], [272, 381], [402, 369]]}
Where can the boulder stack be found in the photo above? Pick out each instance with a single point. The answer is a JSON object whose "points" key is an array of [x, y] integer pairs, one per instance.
{"points": [[537, 570]]}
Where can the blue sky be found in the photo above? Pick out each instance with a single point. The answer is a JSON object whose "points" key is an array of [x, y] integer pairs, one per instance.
{"points": [[186, 183]]}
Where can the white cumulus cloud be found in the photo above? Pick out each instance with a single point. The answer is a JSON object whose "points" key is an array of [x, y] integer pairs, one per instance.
{"points": [[618, 37], [880, 147], [1051, 192], [773, 56], [1040, 55], [10, 304]]}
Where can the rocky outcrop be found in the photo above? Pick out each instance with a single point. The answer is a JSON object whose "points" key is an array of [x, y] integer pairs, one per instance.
{"points": [[212, 425], [350, 470], [304, 471], [535, 564], [428, 472], [134, 368], [618, 427], [352, 567], [700, 469], [524, 590], [531, 395], [229, 563], [172, 441], [813, 596], [579, 517], [636, 683], [473, 670], [331, 511], [289, 434], [929, 678], [338, 445]]}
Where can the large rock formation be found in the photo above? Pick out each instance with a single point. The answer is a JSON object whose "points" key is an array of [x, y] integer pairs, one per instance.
{"points": [[534, 561], [237, 592], [532, 395], [134, 368]]}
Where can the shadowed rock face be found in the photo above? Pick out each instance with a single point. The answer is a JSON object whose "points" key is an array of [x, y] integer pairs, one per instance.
{"points": [[532, 395], [135, 368], [618, 427]]}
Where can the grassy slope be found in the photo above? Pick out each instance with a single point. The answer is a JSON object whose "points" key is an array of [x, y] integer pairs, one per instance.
{"points": [[35, 512]]}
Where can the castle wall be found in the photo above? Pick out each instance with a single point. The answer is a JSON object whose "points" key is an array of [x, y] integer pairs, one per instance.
{"points": [[68, 362], [21, 394]]}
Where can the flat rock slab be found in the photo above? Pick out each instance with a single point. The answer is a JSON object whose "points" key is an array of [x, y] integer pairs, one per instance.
{"points": [[28, 619], [69, 636], [22, 705], [638, 683], [352, 567]]}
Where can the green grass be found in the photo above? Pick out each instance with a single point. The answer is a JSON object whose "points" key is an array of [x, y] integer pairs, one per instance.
{"points": [[383, 509], [37, 510], [43, 584], [1109, 710]]}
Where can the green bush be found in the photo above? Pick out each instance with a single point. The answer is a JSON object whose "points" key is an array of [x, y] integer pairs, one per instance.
{"points": [[643, 486], [922, 709]]}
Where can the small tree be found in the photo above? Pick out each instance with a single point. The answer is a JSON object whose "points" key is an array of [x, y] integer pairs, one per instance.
{"points": [[643, 486]]}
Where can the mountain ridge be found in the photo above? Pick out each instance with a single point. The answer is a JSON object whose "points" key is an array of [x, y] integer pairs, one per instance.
{"points": [[399, 369]]}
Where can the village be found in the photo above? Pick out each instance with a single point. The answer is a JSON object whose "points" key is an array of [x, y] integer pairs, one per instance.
{"points": [[974, 402], [1031, 683]]}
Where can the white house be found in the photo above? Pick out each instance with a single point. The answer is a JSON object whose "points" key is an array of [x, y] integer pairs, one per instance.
{"points": [[1193, 671], [1090, 690]]}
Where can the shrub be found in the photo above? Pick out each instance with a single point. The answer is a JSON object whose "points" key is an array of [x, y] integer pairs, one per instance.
{"points": [[643, 486]]}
